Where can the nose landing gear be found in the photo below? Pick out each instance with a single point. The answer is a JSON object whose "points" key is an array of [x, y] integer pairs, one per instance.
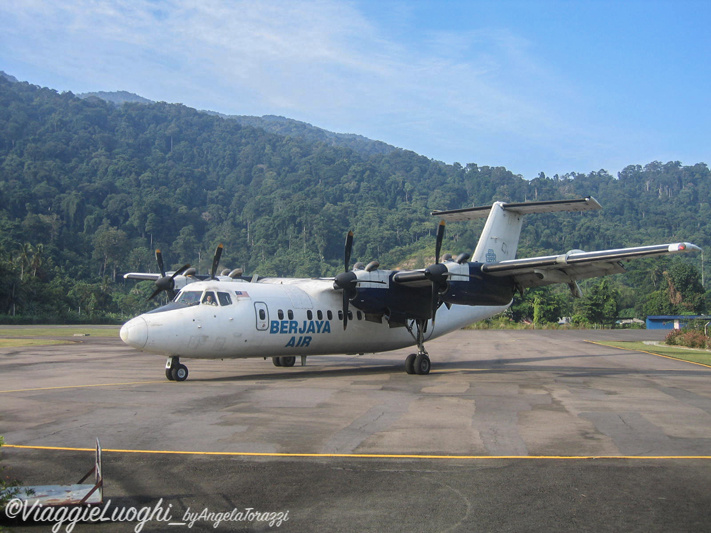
{"points": [[175, 371]]}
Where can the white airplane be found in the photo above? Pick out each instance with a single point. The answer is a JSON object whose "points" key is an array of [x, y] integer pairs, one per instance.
{"points": [[235, 317]]}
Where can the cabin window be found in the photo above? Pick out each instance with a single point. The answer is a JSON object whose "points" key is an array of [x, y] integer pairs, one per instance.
{"points": [[209, 298], [350, 315], [280, 314], [262, 314], [340, 315], [319, 315], [329, 314], [290, 314], [309, 315], [359, 315], [224, 298], [189, 297]]}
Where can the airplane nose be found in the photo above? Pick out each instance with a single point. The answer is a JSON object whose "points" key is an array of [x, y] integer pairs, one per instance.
{"points": [[135, 332]]}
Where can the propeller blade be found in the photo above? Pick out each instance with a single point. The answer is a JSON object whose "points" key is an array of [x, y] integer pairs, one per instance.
{"points": [[348, 250], [155, 293], [345, 309], [436, 275], [159, 258], [440, 237], [216, 260], [345, 280], [435, 302], [180, 270]]}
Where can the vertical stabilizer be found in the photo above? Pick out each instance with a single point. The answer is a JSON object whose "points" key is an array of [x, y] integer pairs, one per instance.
{"points": [[499, 239]]}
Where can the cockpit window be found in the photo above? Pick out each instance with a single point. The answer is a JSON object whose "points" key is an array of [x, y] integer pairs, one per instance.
{"points": [[209, 298], [224, 298], [189, 297]]}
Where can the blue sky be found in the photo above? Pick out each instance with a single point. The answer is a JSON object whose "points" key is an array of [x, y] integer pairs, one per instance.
{"points": [[535, 86]]}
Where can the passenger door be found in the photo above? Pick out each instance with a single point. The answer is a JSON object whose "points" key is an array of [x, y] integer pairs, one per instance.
{"points": [[262, 315]]}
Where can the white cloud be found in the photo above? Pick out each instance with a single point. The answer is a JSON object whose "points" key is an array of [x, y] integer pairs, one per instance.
{"points": [[450, 95]]}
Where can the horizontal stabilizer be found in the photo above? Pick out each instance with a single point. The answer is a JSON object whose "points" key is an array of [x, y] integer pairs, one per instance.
{"points": [[472, 213]]}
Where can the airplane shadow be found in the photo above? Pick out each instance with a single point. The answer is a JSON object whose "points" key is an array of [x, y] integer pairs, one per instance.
{"points": [[478, 366]]}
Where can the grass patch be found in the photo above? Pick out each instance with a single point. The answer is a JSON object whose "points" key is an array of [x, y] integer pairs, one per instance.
{"points": [[15, 343], [58, 331], [675, 352]]}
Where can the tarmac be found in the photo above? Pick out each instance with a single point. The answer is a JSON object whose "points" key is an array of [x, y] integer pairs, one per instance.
{"points": [[511, 431]]}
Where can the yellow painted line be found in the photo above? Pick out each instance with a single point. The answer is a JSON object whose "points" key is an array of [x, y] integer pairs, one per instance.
{"points": [[650, 353], [454, 370], [86, 386], [363, 455]]}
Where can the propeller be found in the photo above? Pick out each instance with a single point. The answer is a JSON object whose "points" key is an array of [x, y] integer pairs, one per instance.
{"points": [[166, 283], [349, 249], [346, 280], [437, 273], [216, 260], [440, 237]]}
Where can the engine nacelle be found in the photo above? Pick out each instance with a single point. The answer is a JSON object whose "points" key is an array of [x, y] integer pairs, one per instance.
{"points": [[476, 288], [376, 295]]}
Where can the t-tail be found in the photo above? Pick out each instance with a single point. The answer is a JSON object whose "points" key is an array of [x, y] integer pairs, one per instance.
{"points": [[499, 238]]}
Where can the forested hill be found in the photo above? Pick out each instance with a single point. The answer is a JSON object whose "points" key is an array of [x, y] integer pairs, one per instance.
{"points": [[89, 189], [273, 124]]}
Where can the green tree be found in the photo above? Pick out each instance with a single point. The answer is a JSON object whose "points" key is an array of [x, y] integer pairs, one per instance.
{"points": [[658, 304], [540, 306], [599, 304], [683, 293], [110, 246], [685, 290]]}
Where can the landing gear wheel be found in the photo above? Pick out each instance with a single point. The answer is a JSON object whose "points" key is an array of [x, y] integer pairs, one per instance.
{"points": [[288, 360], [422, 364], [276, 361], [171, 364], [410, 363], [180, 373]]}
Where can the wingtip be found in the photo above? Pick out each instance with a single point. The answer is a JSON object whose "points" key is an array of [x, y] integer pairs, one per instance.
{"points": [[684, 247]]}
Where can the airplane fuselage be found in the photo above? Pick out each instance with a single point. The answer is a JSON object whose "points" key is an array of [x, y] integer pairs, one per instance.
{"points": [[287, 317]]}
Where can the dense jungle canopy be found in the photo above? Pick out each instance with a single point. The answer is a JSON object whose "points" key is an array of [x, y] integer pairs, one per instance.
{"points": [[90, 188]]}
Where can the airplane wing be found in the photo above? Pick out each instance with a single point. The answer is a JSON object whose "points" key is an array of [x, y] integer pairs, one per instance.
{"points": [[576, 264], [142, 275]]}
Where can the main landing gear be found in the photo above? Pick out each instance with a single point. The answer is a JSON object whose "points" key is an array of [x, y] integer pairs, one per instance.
{"points": [[418, 363], [284, 360], [174, 371]]}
